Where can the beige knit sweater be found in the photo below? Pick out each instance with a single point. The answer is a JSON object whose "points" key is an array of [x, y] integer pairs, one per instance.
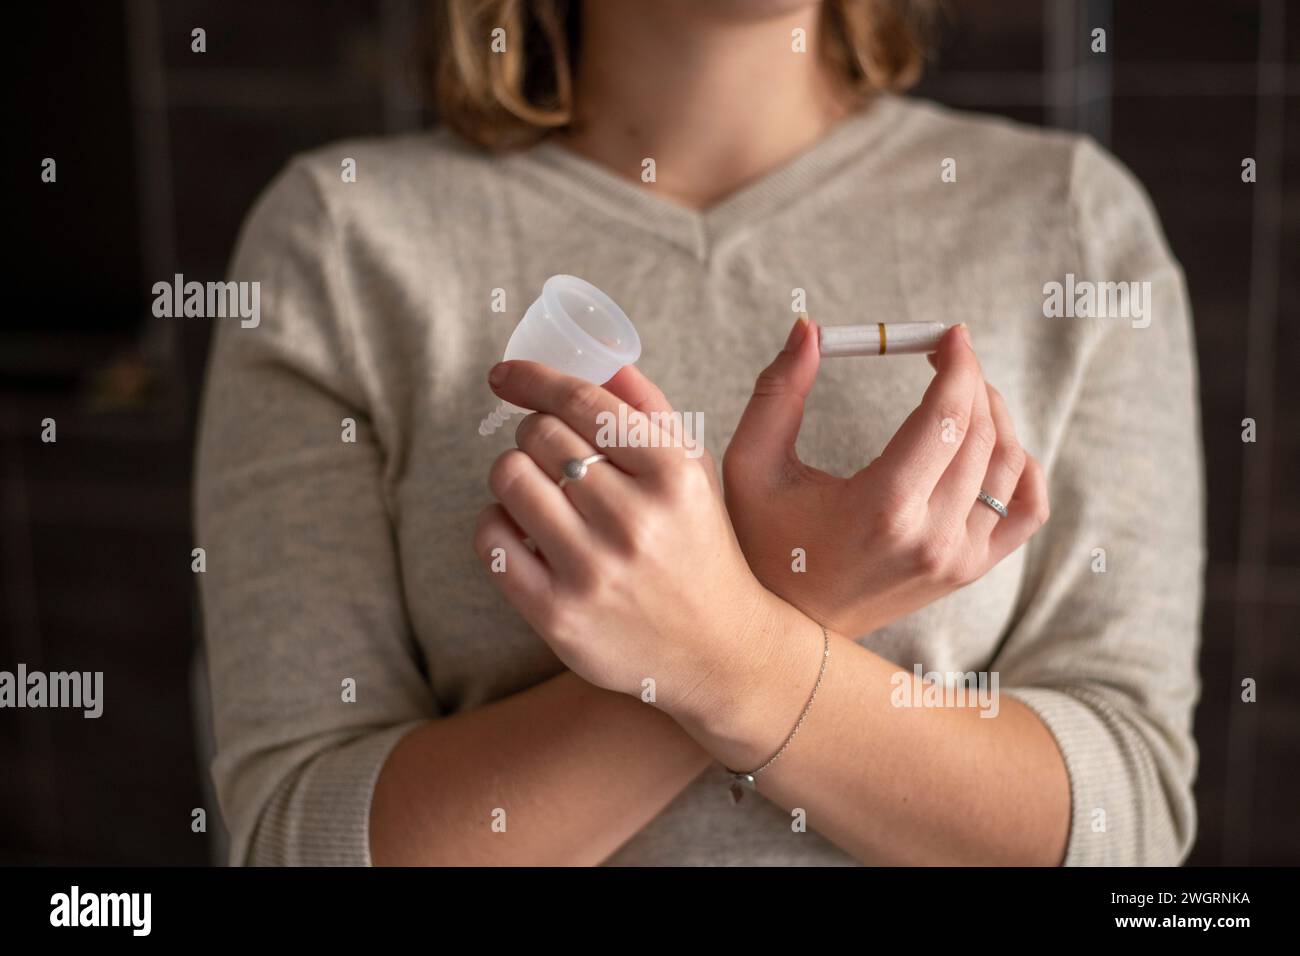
{"points": [[329, 559]]}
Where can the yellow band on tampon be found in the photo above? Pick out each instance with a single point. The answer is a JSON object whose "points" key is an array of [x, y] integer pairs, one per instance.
{"points": [[882, 337]]}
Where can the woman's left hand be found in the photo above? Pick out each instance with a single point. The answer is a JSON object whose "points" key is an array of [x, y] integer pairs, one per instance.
{"points": [[637, 575]]}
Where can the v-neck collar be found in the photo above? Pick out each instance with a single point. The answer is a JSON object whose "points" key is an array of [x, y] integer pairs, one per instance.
{"points": [[701, 232]]}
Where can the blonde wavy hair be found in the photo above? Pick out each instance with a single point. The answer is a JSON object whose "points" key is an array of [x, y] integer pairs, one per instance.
{"points": [[512, 99]]}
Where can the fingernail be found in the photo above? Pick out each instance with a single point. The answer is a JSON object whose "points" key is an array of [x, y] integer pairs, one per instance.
{"points": [[797, 333], [500, 372], [965, 333]]}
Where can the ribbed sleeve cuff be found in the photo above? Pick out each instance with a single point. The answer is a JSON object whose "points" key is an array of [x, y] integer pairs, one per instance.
{"points": [[1096, 771], [321, 816]]}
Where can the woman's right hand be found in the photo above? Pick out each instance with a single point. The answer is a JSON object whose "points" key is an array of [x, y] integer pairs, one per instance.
{"points": [[906, 529]]}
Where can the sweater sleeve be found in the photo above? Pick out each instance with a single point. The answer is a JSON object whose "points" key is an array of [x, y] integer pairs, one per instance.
{"points": [[301, 594], [1105, 643]]}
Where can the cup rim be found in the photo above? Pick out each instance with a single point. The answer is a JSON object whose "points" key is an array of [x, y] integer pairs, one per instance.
{"points": [[626, 354]]}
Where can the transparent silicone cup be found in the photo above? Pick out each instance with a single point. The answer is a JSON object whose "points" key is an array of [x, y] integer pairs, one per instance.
{"points": [[573, 328], [576, 329]]}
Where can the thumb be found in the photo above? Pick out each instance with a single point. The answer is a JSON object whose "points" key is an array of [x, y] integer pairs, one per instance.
{"points": [[765, 437], [632, 387]]}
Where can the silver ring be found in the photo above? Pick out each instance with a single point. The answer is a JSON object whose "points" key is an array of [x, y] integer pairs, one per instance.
{"points": [[993, 503], [575, 469]]}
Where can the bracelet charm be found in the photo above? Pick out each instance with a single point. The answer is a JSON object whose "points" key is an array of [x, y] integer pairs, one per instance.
{"points": [[739, 782]]}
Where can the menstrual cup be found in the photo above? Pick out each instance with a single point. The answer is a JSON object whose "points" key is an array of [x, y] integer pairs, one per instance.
{"points": [[574, 328]]}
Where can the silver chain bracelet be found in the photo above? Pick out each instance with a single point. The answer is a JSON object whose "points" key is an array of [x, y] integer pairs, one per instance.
{"points": [[740, 780]]}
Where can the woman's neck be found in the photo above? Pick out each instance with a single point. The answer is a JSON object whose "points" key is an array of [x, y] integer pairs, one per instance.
{"points": [[715, 98]]}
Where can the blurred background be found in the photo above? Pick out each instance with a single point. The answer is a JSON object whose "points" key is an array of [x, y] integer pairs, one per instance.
{"points": [[162, 150]]}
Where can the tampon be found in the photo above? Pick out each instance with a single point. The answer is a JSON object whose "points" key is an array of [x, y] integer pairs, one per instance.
{"points": [[883, 338]]}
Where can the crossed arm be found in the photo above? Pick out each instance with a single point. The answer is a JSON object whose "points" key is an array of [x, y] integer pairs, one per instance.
{"points": [[584, 766], [584, 769]]}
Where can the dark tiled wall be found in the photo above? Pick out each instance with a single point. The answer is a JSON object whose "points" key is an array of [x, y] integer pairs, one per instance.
{"points": [[94, 553]]}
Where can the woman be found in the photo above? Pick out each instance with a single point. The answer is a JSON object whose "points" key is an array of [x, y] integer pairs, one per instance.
{"points": [[386, 693]]}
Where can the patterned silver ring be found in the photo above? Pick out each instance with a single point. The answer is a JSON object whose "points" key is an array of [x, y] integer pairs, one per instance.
{"points": [[993, 503], [575, 469]]}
